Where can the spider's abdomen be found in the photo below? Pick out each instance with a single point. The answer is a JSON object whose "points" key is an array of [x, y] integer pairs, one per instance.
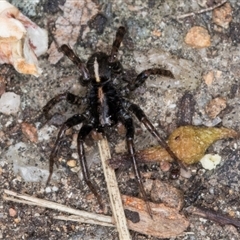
{"points": [[104, 104]]}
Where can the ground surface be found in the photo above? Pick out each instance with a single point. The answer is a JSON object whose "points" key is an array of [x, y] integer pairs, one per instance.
{"points": [[152, 29]]}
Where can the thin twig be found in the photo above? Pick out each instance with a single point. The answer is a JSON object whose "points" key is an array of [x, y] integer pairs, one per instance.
{"points": [[113, 191], [86, 217], [200, 11]]}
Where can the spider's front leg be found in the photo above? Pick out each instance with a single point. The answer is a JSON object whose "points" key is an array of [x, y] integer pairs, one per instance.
{"points": [[77, 61], [116, 44], [138, 112], [72, 121], [84, 131], [142, 77]]}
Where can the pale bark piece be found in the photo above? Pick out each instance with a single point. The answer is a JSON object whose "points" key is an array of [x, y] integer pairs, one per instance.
{"points": [[166, 222]]}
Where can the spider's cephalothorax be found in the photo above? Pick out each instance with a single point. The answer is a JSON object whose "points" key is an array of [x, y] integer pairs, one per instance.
{"points": [[105, 107]]}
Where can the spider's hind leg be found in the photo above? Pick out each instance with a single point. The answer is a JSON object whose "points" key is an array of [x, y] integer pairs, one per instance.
{"points": [[72, 121], [128, 123], [138, 112], [84, 131]]}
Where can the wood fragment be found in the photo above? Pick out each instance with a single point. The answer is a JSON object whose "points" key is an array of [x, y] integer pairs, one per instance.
{"points": [[166, 222], [200, 11], [113, 191]]}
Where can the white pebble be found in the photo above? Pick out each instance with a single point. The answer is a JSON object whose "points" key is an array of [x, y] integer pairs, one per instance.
{"points": [[48, 189], [210, 161], [9, 103]]}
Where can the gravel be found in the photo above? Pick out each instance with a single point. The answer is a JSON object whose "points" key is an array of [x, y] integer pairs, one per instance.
{"points": [[155, 38]]}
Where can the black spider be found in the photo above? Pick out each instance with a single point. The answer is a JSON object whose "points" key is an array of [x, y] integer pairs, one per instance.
{"points": [[106, 106]]}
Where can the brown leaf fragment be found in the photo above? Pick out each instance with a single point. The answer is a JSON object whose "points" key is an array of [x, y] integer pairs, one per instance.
{"points": [[29, 131], [166, 221]]}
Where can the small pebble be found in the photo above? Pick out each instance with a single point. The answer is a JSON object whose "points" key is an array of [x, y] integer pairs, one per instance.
{"points": [[48, 189], [210, 161], [198, 37], [12, 212], [17, 220], [215, 106], [55, 189], [29, 131], [208, 78], [72, 163], [9, 103], [222, 16]]}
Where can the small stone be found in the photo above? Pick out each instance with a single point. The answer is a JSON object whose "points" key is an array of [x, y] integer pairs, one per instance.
{"points": [[215, 106], [208, 78], [29, 131], [9, 103], [48, 190], [72, 163], [165, 166], [156, 33], [12, 212], [210, 161], [198, 37], [222, 16], [17, 220]]}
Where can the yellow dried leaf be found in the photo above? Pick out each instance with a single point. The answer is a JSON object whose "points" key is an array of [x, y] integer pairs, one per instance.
{"points": [[189, 143]]}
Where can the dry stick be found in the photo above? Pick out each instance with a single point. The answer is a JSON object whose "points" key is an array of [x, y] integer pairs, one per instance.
{"points": [[84, 216], [113, 191], [200, 11], [220, 218]]}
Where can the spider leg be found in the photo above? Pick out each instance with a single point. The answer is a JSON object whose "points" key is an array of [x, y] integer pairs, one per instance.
{"points": [[128, 123], [77, 61], [84, 131], [69, 97], [116, 44], [138, 112], [141, 78], [72, 121]]}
